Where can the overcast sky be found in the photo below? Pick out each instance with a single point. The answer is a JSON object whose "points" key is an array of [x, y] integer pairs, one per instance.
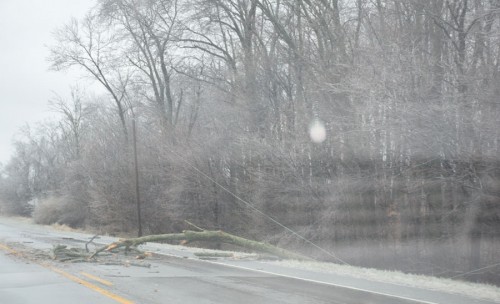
{"points": [[26, 84]]}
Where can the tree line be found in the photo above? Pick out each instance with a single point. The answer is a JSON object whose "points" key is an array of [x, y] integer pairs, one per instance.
{"points": [[224, 93]]}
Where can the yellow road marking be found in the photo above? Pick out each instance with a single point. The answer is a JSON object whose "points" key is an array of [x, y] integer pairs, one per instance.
{"points": [[7, 248], [89, 285], [97, 279]]}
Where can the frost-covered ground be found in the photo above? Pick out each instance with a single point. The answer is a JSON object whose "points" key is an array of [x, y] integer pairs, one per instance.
{"points": [[481, 291]]}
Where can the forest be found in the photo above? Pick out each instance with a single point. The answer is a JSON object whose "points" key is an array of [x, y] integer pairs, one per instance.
{"points": [[213, 102]]}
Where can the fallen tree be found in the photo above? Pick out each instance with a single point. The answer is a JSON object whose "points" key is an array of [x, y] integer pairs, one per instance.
{"points": [[188, 236]]}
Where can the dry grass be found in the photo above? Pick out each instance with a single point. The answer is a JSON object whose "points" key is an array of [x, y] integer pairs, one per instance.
{"points": [[63, 227]]}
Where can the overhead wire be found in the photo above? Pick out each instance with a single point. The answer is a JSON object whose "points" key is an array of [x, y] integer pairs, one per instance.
{"points": [[257, 210], [474, 271]]}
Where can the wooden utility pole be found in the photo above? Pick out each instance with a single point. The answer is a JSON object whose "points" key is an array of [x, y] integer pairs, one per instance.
{"points": [[137, 196]]}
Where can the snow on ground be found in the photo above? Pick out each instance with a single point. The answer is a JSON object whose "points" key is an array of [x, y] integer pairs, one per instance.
{"points": [[192, 252], [474, 290]]}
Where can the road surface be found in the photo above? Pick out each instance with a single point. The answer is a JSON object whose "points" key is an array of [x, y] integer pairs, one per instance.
{"points": [[22, 282], [26, 278]]}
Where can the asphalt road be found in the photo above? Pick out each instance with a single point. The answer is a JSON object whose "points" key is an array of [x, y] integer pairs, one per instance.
{"points": [[22, 282], [27, 279], [171, 280]]}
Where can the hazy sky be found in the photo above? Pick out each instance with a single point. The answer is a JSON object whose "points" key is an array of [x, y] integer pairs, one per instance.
{"points": [[26, 84]]}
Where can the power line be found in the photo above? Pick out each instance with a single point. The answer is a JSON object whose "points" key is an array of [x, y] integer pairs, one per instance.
{"points": [[251, 206], [475, 270]]}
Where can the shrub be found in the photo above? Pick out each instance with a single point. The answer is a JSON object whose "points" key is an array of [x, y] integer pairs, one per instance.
{"points": [[59, 209]]}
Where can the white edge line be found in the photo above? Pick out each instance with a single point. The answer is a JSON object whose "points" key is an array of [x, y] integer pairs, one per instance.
{"points": [[324, 283], [299, 278]]}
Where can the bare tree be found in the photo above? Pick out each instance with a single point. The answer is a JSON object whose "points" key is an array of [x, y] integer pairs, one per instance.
{"points": [[151, 29], [90, 45], [74, 113]]}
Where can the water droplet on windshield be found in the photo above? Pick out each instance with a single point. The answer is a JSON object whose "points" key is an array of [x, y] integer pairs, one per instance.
{"points": [[317, 131]]}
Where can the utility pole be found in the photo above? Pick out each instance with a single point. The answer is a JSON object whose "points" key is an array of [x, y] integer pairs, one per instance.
{"points": [[137, 196]]}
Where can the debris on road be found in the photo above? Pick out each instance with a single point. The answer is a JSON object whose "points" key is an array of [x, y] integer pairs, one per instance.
{"points": [[188, 236]]}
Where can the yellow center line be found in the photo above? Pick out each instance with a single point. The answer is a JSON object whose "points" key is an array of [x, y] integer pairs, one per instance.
{"points": [[7, 248], [89, 285], [97, 279]]}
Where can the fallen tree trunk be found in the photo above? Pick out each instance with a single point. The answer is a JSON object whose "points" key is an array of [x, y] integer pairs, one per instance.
{"points": [[206, 236]]}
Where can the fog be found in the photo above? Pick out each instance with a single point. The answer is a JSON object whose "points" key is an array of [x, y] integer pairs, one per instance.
{"points": [[350, 131], [26, 84]]}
